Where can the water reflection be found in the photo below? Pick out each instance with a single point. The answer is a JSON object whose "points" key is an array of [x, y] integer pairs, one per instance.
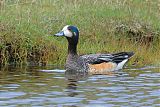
{"points": [[33, 86], [73, 77]]}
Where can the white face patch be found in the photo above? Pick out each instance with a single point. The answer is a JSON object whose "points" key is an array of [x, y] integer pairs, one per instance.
{"points": [[67, 32]]}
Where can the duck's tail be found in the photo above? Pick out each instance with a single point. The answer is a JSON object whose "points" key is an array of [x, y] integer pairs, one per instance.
{"points": [[121, 58]]}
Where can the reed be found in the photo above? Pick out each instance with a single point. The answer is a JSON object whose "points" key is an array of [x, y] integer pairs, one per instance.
{"points": [[105, 26]]}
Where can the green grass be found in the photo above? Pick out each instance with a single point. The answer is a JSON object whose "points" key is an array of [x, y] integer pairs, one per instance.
{"points": [[26, 26]]}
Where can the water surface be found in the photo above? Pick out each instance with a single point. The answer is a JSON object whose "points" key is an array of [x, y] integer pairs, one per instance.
{"points": [[37, 86]]}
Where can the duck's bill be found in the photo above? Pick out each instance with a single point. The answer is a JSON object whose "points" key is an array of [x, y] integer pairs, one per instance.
{"points": [[61, 33]]}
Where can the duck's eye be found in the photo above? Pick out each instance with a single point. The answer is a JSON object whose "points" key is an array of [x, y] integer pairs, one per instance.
{"points": [[69, 29]]}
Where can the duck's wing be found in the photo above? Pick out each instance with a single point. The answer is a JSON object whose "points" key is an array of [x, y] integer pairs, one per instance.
{"points": [[91, 58], [117, 60], [100, 58]]}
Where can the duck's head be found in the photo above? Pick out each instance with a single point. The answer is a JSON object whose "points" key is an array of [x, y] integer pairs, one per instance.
{"points": [[70, 32]]}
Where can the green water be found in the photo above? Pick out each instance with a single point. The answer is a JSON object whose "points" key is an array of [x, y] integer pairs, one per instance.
{"points": [[43, 86]]}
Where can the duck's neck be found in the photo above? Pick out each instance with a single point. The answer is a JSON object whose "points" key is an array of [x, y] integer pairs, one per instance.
{"points": [[72, 53], [72, 46], [72, 49]]}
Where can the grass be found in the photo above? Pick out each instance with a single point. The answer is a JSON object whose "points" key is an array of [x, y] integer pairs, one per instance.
{"points": [[105, 26]]}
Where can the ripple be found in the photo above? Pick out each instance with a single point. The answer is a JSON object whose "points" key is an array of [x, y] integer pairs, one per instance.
{"points": [[155, 93], [40, 84], [12, 86], [59, 77], [55, 93], [96, 102], [101, 94], [66, 100], [54, 70], [10, 95], [52, 87], [152, 75]]}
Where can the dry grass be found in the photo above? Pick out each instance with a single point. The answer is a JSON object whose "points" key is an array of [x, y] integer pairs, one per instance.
{"points": [[105, 26]]}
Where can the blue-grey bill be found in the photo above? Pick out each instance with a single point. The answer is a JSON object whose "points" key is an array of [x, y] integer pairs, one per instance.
{"points": [[61, 33]]}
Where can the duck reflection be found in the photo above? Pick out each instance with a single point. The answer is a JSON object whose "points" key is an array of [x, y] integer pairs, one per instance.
{"points": [[73, 77]]}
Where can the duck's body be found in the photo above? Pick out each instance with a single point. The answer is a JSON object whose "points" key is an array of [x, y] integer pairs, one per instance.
{"points": [[92, 62], [97, 62]]}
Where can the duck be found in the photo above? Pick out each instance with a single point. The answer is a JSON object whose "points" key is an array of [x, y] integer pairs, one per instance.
{"points": [[92, 62]]}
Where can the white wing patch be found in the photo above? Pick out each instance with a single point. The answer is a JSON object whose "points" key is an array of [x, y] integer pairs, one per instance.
{"points": [[121, 64]]}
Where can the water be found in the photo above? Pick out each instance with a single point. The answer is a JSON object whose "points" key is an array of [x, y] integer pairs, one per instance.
{"points": [[35, 87]]}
